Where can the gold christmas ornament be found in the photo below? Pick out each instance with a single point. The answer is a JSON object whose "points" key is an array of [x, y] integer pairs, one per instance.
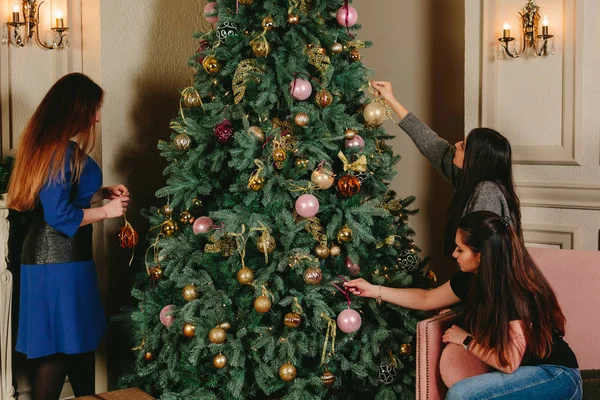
{"points": [[245, 276], [313, 276], [211, 65], [405, 349], [335, 251], [322, 177], [354, 55], [323, 98], [186, 217], [322, 251], [293, 19], [348, 185], [292, 320], [301, 162], [225, 325], [196, 202], [166, 210], [148, 356], [328, 378], [287, 372], [256, 183], [262, 304], [349, 134], [169, 227], [191, 98], [375, 113], [260, 46], [189, 330], [220, 361], [189, 293], [302, 119], [266, 243], [156, 273], [279, 155], [337, 48], [257, 132], [268, 23], [183, 141], [217, 335], [344, 235]]}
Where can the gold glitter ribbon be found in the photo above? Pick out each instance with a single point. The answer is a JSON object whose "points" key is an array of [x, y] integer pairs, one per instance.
{"points": [[331, 331], [256, 174], [240, 240], [296, 307], [359, 165], [155, 247], [265, 232], [388, 241], [297, 188], [313, 225]]}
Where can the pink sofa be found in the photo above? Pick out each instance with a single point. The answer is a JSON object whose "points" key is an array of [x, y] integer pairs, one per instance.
{"points": [[575, 277]]}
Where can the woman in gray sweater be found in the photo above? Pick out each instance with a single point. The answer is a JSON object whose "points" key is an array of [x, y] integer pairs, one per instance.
{"points": [[479, 167]]}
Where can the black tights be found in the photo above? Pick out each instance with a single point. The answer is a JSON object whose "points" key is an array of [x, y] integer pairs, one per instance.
{"points": [[47, 375]]}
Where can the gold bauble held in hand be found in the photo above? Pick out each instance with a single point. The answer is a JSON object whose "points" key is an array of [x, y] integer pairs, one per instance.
{"points": [[344, 235], [322, 251], [262, 304], [211, 65], [256, 183], [287, 372], [189, 293], [220, 361], [148, 356], [169, 227], [313, 276], [302, 119], [186, 217], [279, 155], [217, 335], [323, 98], [354, 55], [183, 141], [375, 113], [189, 330], [268, 23], [328, 378], [292, 320], [245, 276], [337, 48], [266, 243], [293, 19], [405, 349]]}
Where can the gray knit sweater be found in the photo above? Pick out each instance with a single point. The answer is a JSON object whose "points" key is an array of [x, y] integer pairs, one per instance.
{"points": [[486, 196]]}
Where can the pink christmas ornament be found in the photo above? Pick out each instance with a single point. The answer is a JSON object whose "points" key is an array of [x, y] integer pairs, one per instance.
{"points": [[349, 321], [202, 225], [355, 143], [166, 315], [307, 205], [300, 89], [346, 16], [210, 9], [353, 269]]}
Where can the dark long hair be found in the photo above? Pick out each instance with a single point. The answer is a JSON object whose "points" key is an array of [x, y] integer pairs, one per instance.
{"points": [[508, 281], [67, 111], [488, 157]]}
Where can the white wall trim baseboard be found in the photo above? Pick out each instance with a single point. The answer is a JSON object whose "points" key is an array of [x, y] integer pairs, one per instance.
{"points": [[579, 196]]}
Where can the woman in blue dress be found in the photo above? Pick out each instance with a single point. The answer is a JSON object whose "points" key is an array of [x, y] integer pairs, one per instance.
{"points": [[61, 319]]}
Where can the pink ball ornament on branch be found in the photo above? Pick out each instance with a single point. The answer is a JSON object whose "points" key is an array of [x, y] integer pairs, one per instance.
{"points": [[346, 16], [355, 143], [202, 225], [211, 8], [300, 89], [307, 205], [166, 315]]}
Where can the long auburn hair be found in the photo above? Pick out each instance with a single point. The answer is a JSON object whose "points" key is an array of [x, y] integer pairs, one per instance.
{"points": [[488, 157], [68, 111], [507, 281]]}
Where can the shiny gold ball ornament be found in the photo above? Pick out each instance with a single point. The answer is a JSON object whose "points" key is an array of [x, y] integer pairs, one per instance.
{"points": [[186, 217], [217, 335], [211, 65], [192, 99], [349, 134], [344, 235], [292, 320], [148, 356], [262, 304], [313, 276], [260, 47], [328, 378], [189, 293], [323, 98], [293, 19], [156, 273], [169, 228], [301, 162], [348, 185], [337, 48], [196, 202], [354, 55], [266, 243], [287, 372], [182, 142], [257, 132], [189, 330], [335, 251], [322, 177], [405, 349], [256, 183], [268, 23], [279, 155], [220, 361], [166, 210], [375, 113], [245, 276], [322, 251], [302, 119]]}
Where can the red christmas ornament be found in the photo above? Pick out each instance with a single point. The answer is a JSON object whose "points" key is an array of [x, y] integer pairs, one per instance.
{"points": [[348, 185], [202, 45], [224, 131]]}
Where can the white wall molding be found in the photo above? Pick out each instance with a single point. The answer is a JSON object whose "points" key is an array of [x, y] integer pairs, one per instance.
{"points": [[564, 237], [559, 195]]}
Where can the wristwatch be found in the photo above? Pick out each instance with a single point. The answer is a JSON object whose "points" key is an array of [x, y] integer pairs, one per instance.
{"points": [[467, 342]]}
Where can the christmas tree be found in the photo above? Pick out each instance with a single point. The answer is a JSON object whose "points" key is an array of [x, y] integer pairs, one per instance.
{"points": [[276, 192]]}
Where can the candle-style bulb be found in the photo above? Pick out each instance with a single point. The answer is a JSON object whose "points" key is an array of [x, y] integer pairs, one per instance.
{"points": [[16, 8], [545, 20], [506, 26], [59, 14]]}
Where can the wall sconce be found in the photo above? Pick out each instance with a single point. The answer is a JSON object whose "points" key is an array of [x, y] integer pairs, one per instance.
{"points": [[531, 40], [29, 27]]}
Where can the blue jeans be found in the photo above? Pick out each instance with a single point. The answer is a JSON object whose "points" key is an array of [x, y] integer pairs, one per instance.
{"points": [[547, 382]]}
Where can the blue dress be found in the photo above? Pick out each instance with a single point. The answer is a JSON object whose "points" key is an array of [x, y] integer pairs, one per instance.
{"points": [[61, 309]]}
